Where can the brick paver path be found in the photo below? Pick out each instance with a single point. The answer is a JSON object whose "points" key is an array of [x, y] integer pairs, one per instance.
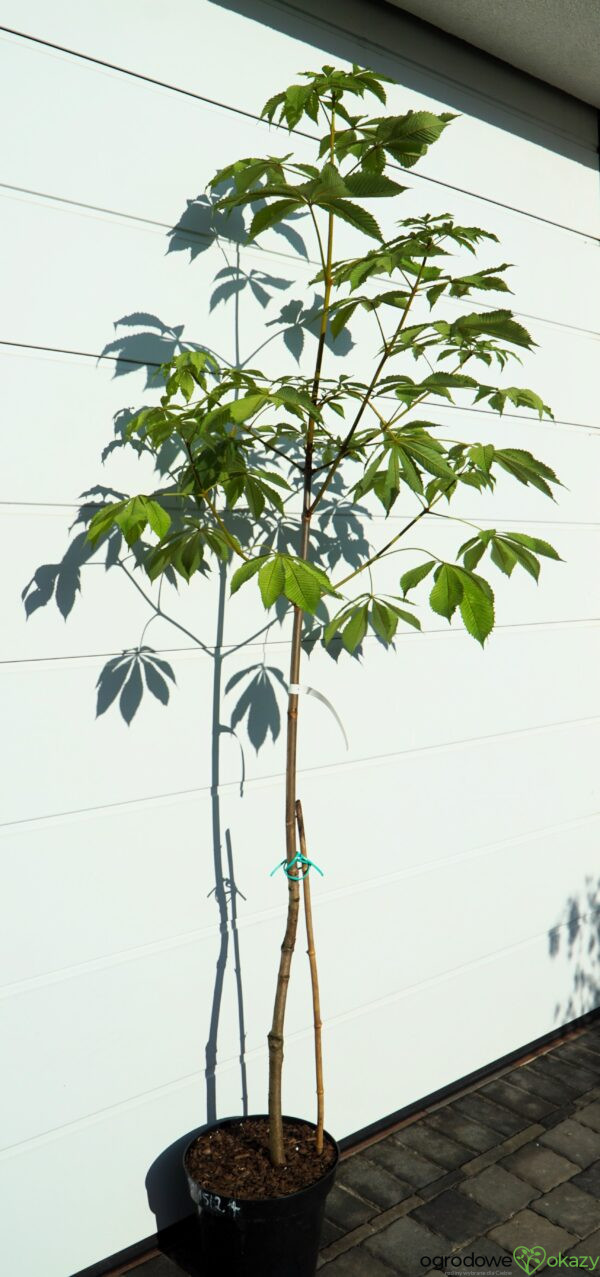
{"points": [[513, 1162]]}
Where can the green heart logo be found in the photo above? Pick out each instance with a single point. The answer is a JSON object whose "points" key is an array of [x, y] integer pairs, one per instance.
{"points": [[529, 1258]]}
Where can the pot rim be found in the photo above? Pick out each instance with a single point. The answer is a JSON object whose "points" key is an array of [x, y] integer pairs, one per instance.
{"points": [[280, 1197]]}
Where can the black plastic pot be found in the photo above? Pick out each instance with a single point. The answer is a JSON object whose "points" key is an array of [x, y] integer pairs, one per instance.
{"points": [[261, 1237]]}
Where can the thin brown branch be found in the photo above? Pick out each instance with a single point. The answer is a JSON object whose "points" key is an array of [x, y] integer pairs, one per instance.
{"points": [[365, 401], [384, 550]]}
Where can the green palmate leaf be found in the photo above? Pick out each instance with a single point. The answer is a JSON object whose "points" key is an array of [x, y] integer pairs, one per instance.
{"points": [[483, 279], [501, 554], [246, 407], [518, 396], [158, 518], [335, 624], [493, 323], [355, 216], [341, 318], [132, 518], [414, 575], [301, 586], [319, 575], [103, 521], [482, 455], [271, 215], [328, 185], [271, 580], [405, 616], [184, 552], [383, 620], [407, 137], [507, 550], [526, 468], [186, 384], [371, 186], [245, 572], [447, 591], [439, 381], [354, 631], [473, 553], [527, 560], [536, 544], [255, 496], [476, 606]]}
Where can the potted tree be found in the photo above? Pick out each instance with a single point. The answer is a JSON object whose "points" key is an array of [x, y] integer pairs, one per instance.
{"points": [[285, 447]]}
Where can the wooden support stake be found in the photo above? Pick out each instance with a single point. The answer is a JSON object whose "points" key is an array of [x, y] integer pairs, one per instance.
{"points": [[314, 977]]}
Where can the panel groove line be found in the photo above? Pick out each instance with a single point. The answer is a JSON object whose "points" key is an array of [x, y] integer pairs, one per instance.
{"points": [[193, 653], [317, 22], [548, 424], [265, 255], [250, 115], [274, 779], [228, 1063], [258, 917]]}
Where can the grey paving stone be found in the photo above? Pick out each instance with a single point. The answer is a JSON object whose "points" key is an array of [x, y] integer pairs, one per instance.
{"points": [[492, 1114], [539, 1166], [589, 1246], [330, 1233], [552, 1072], [474, 1135], [590, 1042], [580, 1144], [432, 1144], [404, 1163], [588, 1055], [589, 1114], [574, 1076], [345, 1210], [589, 1180], [530, 1079], [577, 1053], [427, 1191], [499, 1191], [455, 1216], [530, 1229], [570, 1208], [559, 1115], [515, 1098], [372, 1181], [357, 1263], [403, 1245]]}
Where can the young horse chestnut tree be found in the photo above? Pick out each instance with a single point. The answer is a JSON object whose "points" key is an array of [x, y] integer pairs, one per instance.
{"points": [[284, 446]]}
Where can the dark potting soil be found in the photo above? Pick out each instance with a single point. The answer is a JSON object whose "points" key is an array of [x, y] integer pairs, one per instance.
{"points": [[234, 1160]]}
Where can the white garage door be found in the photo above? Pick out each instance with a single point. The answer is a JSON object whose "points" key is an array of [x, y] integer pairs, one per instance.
{"points": [[459, 830]]}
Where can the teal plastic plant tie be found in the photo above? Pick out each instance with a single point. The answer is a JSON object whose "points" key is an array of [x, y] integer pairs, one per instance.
{"points": [[300, 861]]}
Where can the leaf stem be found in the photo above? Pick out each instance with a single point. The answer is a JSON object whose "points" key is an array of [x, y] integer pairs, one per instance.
{"points": [[381, 553], [365, 401]]}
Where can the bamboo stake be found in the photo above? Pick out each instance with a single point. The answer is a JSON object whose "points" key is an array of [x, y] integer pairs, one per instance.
{"points": [[314, 978]]}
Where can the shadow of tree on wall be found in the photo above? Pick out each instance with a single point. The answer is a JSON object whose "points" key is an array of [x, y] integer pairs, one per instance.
{"points": [[576, 937]]}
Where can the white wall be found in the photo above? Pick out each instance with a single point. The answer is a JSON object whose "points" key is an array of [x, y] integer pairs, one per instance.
{"points": [[464, 815]]}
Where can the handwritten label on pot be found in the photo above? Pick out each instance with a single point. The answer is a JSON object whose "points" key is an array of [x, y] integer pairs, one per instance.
{"points": [[216, 1204]]}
